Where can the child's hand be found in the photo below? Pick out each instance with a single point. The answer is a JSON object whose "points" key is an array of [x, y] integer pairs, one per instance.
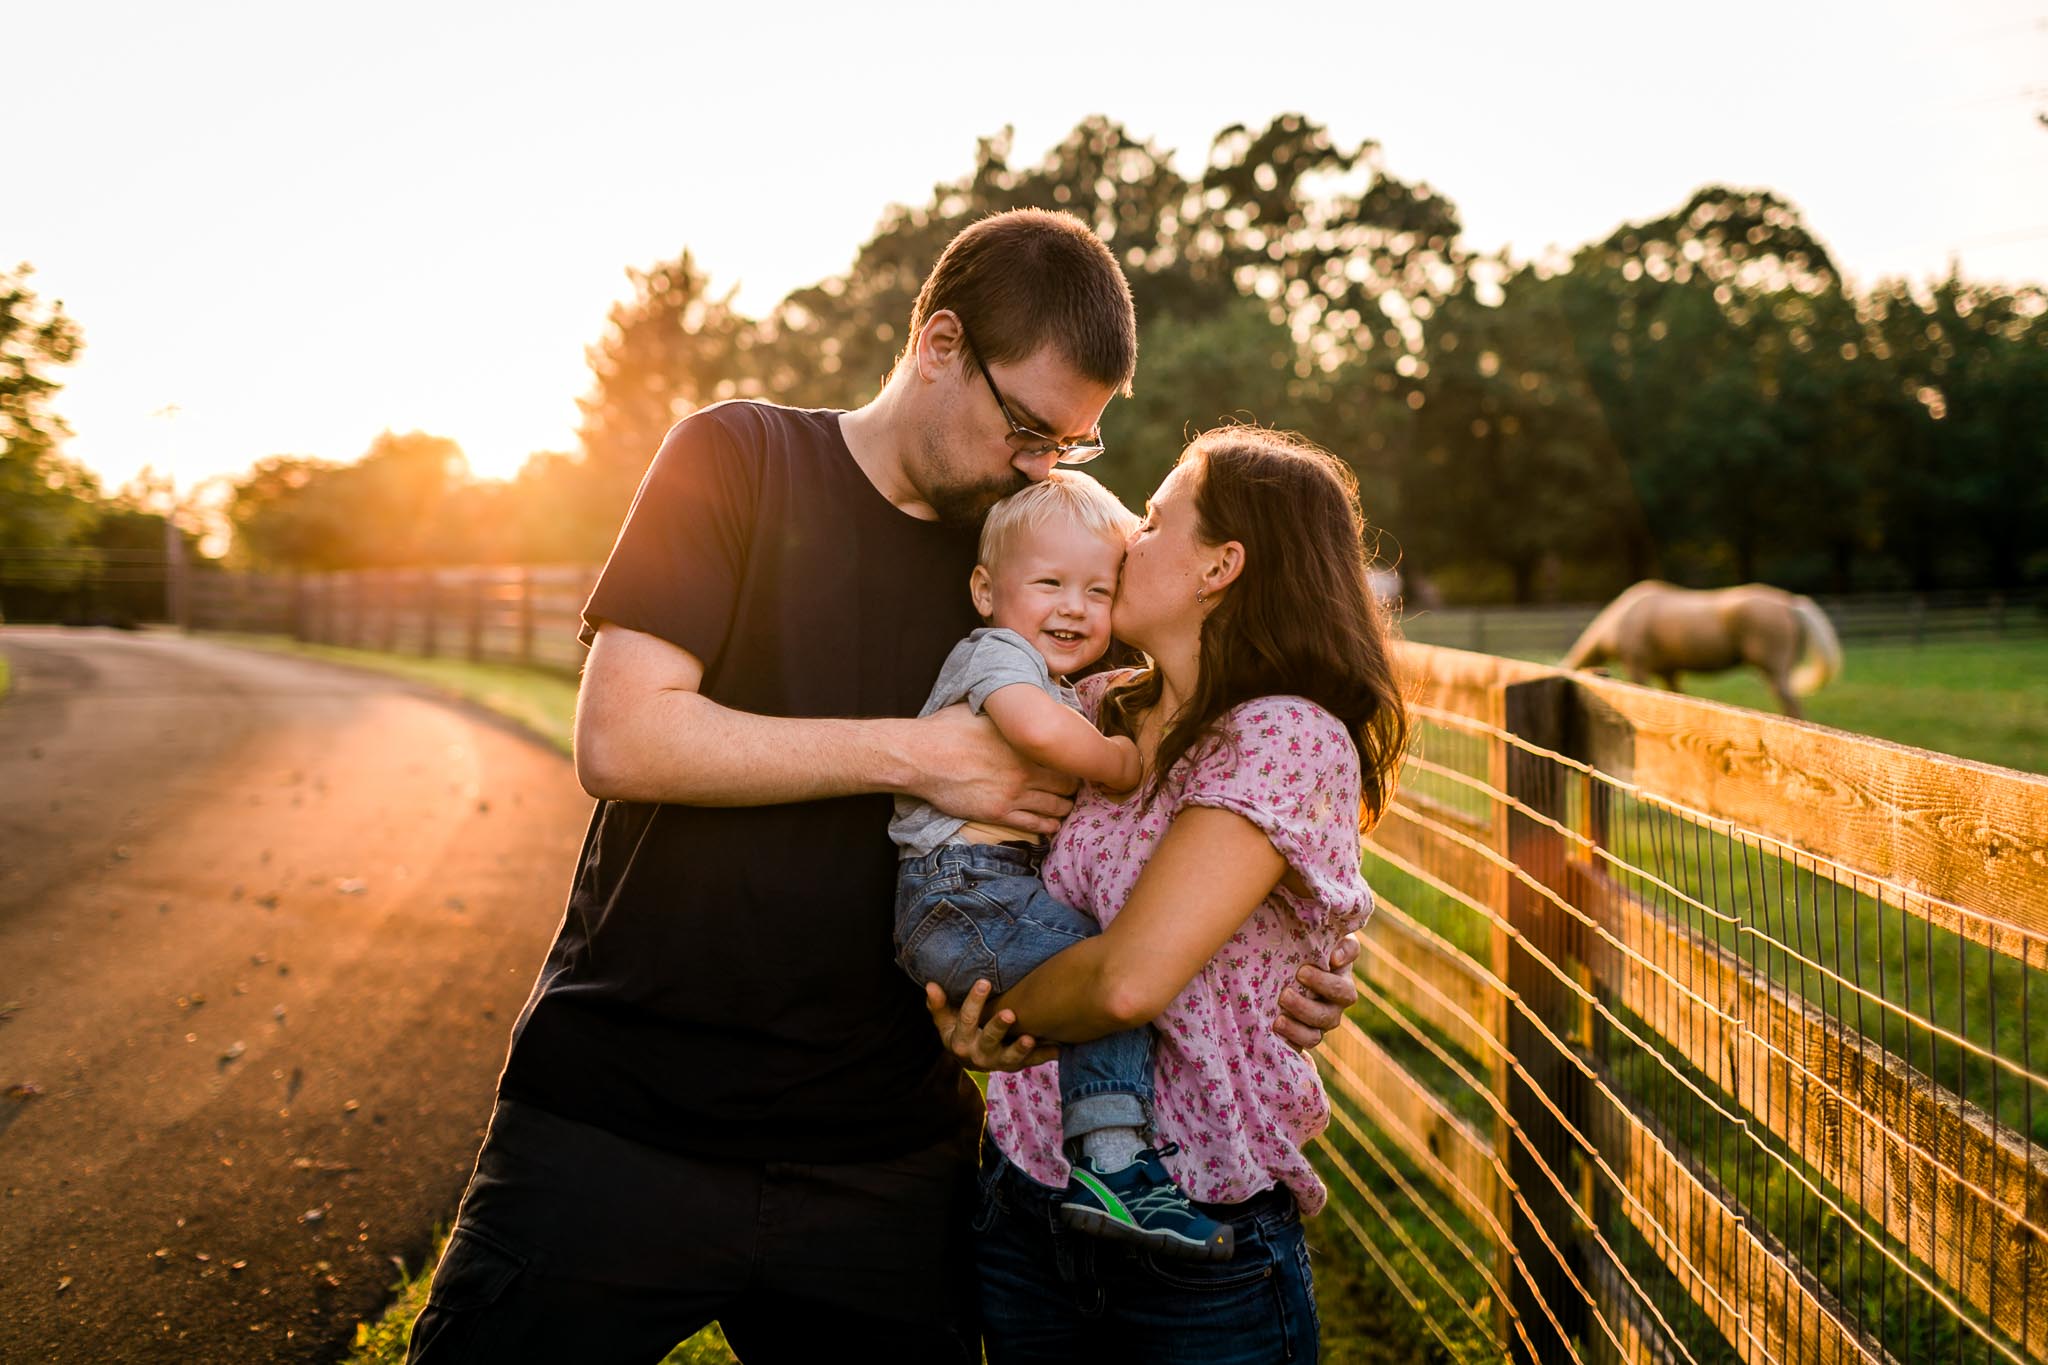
{"points": [[982, 1046], [1133, 766]]}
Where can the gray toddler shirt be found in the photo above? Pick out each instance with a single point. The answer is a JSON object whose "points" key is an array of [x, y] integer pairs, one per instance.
{"points": [[987, 660]]}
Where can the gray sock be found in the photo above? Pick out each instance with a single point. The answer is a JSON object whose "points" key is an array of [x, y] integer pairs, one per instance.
{"points": [[1111, 1149]]}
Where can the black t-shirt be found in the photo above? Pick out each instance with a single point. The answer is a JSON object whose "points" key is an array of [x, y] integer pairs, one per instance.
{"points": [[723, 981]]}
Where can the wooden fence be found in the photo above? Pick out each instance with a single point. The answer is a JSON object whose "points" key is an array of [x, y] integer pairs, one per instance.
{"points": [[1693, 1034], [1907, 618], [526, 615]]}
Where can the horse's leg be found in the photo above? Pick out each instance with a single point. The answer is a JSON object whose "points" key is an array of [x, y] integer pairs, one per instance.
{"points": [[1787, 703], [1671, 680]]}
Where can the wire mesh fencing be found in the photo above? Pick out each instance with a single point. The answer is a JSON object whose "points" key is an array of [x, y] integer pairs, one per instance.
{"points": [[1692, 1034]]}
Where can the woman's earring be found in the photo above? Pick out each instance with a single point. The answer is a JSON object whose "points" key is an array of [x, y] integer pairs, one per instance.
{"points": [[1200, 596]]}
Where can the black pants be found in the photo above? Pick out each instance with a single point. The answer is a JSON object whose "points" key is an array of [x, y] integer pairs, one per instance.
{"points": [[574, 1244]]}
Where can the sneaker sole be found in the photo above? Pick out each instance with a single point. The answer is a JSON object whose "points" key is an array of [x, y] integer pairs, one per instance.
{"points": [[1100, 1224]]}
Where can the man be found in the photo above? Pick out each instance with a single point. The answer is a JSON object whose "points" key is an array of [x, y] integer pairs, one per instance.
{"points": [[723, 1100]]}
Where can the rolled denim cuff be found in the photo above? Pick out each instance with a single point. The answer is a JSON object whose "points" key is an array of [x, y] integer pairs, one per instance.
{"points": [[1084, 1114]]}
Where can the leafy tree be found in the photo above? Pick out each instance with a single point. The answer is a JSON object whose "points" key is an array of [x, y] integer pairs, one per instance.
{"points": [[670, 349], [1508, 460], [397, 505], [46, 500], [1964, 495]]}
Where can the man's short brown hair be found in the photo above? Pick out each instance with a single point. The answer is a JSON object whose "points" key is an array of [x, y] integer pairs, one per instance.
{"points": [[1025, 279]]}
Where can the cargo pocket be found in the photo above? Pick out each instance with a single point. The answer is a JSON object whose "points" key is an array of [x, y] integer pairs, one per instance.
{"points": [[475, 1271]]}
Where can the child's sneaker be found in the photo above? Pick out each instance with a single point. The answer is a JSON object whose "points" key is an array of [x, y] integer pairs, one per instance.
{"points": [[1141, 1204]]}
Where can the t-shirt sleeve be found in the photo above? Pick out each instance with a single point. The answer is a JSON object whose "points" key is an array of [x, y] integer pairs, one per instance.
{"points": [[1287, 765], [675, 570], [1001, 658]]}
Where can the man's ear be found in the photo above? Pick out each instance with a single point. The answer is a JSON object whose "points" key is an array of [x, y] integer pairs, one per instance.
{"points": [[981, 588], [939, 343]]}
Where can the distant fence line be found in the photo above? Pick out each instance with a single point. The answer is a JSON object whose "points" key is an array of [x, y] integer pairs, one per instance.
{"points": [[526, 615], [529, 614], [1694, 1034], [1547, 631]]}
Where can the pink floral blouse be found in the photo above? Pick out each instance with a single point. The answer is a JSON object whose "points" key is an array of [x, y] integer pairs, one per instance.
{"points": [[1240, 1102]]}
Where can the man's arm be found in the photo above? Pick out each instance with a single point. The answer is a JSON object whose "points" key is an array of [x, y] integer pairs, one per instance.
{"points": [[1059, 737], [644, 732]]}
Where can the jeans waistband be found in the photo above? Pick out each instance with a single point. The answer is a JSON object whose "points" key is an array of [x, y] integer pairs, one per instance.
{"points": [[1014, 857], [1273, 1207]]}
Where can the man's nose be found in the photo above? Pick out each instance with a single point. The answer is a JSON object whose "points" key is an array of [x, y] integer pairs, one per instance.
{"points": [[1036, 467]]}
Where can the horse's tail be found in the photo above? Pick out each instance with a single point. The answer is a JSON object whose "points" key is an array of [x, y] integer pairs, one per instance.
{"points": [[1820, 654]]}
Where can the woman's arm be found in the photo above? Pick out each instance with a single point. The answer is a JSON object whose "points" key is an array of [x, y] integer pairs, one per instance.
{"points": [[1212, 869]]}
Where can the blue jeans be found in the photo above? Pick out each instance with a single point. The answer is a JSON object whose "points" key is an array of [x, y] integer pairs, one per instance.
{"points": [[978, 912], [1049, 1293]]}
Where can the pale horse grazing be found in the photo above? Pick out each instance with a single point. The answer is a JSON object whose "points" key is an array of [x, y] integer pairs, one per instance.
{"points": [[1661, 630]]}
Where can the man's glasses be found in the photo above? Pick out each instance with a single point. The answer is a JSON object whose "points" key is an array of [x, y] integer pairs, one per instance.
{"points": [[1030, 442]]}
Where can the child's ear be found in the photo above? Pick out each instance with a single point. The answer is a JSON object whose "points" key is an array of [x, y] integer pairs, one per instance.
{"points": [[981, 588]]}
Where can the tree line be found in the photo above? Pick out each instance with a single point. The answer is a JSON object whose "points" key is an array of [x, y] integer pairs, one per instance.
{"points": [[1699, 395]]}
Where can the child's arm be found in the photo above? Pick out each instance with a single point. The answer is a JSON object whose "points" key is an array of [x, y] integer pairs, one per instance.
{"points": [[1057, 736]]}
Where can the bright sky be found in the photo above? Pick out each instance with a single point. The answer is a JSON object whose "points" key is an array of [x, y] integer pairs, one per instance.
{"points": [[285, 228]]}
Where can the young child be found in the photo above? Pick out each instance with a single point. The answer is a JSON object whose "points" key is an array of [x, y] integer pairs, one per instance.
{"points": [[969, 904]]}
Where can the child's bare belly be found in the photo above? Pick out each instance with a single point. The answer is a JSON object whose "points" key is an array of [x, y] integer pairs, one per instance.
{"points": [[975, 832]]}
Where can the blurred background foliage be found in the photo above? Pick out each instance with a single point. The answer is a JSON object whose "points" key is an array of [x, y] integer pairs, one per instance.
{"points": [[1698, 396]]}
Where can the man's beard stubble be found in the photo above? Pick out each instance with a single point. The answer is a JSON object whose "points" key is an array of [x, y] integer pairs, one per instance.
{"points": [[957, 500]]}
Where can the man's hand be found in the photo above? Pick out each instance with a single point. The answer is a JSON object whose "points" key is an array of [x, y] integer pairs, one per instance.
{"points": [[1316, 1002], [967, 770], [979, 1046]]}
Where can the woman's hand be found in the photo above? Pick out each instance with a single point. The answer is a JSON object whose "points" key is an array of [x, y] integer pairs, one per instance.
{"points": [[1316, 1002], [985, 1046]]}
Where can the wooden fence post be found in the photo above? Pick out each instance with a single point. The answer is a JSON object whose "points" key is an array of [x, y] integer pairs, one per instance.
{"points": [[1548, 1089], [390, 584], [525, 615], [430, 607], [476, 615]]}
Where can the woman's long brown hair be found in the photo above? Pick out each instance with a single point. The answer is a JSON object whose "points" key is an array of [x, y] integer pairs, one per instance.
{"points": [[1300, 619]]}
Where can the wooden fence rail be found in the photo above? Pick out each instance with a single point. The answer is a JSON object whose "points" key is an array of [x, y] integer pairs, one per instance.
{"points": [[1717, 1031], [526, 615]]}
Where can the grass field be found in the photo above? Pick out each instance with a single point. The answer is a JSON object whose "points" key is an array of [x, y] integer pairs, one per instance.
{"points": [[1980, 700], [1984, 700]]}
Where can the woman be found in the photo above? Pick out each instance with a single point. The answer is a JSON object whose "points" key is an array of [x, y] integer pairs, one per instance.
{"points": [[1268, 714]]}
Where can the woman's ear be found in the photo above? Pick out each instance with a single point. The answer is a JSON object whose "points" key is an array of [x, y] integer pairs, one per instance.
{"points": [[981, 588], [939, 343], [1225, 565]]}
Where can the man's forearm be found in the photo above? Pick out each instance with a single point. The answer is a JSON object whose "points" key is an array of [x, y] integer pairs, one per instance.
{"points": [[682, 748]]}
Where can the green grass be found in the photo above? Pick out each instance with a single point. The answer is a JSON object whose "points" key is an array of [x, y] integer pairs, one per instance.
{"points": [[6, 677], [1984, 700]]}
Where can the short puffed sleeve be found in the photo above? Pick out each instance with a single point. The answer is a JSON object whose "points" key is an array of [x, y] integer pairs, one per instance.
{"points": [[1289, 767]]}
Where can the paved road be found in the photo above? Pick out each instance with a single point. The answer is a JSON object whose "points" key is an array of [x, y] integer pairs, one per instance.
{"points": [[264, 924]]}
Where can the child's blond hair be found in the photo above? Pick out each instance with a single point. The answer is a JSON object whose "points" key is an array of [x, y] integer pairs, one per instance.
{"points": [[1063, 494]]}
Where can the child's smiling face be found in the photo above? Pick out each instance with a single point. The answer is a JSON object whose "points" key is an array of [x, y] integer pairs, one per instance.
{"points": [[1054, 587]]}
